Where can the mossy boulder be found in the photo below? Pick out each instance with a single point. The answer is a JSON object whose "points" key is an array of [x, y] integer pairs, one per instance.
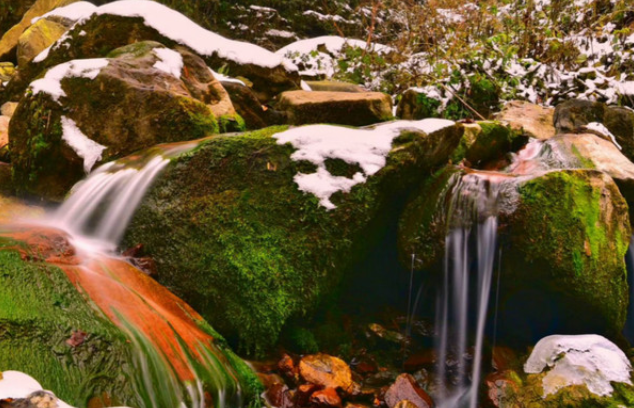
{"points": [[129, 105], [563, 237], [100, 34], [344, 108], [234, 236], [415, 104], [564, 248]]}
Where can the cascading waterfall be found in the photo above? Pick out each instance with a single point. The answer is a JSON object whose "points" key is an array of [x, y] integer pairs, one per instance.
{"points": [[174, 354], [463, 302]]}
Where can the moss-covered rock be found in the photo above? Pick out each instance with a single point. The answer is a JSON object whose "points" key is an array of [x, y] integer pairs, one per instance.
{"points": [[493, 142], [248, 106], [102, 33], [566, 243], [233, 235], [130, 104], [415, 105], [563, 238]]}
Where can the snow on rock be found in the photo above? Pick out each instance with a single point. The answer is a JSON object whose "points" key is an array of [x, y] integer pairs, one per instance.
{"points": [[601, 129], [181, 29], [74, 11], [589, 360], [306, 52], [223, 78], [170, 62], [17, 385], [52, 81], [85, 148], [366, 147]]}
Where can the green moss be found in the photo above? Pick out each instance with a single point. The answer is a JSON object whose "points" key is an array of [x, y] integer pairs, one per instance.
{"points": [[246, 247], [494, 142], [577, 223], [39, 310], [584, 162], [300, 340]]}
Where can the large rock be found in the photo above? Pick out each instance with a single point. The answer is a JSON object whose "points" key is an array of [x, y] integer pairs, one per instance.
{"points": [[37, 38], [534, 120], [353, 109], [334, 86], [250, 250], [104, 109], [563, 239], [10, 39], [573, 115], [110, 27]]}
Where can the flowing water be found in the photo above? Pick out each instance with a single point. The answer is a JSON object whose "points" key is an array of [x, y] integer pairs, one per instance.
{"points": [[177, 363]]}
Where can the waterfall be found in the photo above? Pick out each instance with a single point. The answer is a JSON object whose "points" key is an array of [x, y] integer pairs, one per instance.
{"points": [[463, 301]]}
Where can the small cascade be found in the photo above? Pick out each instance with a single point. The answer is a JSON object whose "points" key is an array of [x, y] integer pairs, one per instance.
{"points": [[176, 360], [475, 199], [100, 207]]}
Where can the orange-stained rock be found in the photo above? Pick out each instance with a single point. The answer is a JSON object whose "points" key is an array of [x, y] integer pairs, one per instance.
{"points": [[326, 398], [406, 404], [288, 368], [304, 392], [406, 388], [425, 358], [279, 396], [327, 371]]}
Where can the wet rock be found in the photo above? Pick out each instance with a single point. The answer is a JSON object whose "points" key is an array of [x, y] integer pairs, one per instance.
{"points": [[76, 339], [269, 380], [533, 120], [4, 132], [37, 38], [131, 103], [326, 371], [353, 109], [147, 265], [381, 378], [492, 142], [405, 388], [327, 398]]}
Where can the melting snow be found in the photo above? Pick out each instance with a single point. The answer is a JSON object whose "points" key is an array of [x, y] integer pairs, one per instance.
{"points": [[52, 81], [85, 148], [366, 147], [169, 61], [223, 78], [589, 360]]}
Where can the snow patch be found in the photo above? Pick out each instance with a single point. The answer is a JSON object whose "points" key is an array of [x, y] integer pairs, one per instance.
{"points": [[170, 62], [223, 78], [368, 148], [589, 360], [85, 148], [74, 11], [52, 81]]}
